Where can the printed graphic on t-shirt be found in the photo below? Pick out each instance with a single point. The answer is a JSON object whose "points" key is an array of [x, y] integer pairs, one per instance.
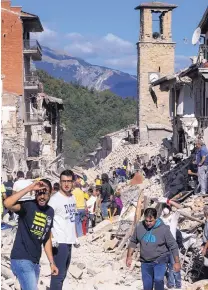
{"points": [[70, 211], [40, 222]]}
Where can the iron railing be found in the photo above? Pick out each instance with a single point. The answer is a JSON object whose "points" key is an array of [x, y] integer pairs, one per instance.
{"points": [[31, 80], [32, 118], [32, 45], [203, 52], [202, 124]]}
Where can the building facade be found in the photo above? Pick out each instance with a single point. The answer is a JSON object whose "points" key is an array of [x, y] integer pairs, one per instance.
{"points": [[24, 110], [155, 47], [188, 97]]}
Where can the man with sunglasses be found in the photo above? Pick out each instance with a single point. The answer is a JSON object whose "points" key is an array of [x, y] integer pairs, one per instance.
{"points": [[63, 232], [34, 227], [156, 244]]}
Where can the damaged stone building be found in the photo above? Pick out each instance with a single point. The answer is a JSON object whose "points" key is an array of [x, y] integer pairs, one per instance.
{"points": [[155, 47], [31, 129], [188, 96]]}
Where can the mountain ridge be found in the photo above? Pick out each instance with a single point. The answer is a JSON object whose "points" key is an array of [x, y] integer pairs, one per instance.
{"points": [[72, 69]]}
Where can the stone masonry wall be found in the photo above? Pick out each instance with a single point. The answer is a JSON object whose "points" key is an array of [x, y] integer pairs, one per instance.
{"points": [[11, 48], [153, 57]]}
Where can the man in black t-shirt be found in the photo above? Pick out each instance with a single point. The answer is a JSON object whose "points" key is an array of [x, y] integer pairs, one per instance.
{"points": [[34, 229]]}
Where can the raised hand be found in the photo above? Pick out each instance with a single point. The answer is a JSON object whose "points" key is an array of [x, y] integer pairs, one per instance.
{"points": [[38, 185]]}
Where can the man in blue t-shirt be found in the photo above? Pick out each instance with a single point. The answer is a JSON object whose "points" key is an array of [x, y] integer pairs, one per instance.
{"points": [[34, 230], [202, 163]]}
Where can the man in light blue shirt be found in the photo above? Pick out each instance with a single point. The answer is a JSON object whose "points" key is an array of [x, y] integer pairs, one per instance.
{"points": [[202, 163]]}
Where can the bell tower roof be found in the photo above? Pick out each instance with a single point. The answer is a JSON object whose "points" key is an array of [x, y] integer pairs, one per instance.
{"points": [[157, 5]]}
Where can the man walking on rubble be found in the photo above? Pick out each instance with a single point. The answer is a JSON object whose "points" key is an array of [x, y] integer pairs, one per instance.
{"points": [[156, 243], [202, 163], [34, 226], [63, 232]]}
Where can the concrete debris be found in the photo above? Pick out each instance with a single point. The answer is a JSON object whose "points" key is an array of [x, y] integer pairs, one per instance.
{"points": [[99, 262], [75, 271], [111, 244]]}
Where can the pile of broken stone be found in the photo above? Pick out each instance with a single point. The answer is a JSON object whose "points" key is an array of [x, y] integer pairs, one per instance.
{"points": [[99, 262]]}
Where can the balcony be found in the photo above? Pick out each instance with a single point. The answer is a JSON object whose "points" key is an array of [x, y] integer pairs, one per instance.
{"points": [[32, 119], [31, 82], [202, 124], [203, 53], [32, 48]]}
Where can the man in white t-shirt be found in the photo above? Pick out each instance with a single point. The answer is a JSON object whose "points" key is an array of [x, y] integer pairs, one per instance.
{"points": [[22, 183], [63, 231], [91, 207]]}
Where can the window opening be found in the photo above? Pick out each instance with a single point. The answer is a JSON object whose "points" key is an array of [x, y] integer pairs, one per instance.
{"points": [[157, 24]]}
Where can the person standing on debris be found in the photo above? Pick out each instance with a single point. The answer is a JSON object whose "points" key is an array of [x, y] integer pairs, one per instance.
{"points": [[98, 181], [113, 208], [106, 192], [9, 188], [174, 278], [56, 187], [21, 183], [205, 242], [79, 195], [192, 175], [63, 232], [156, 242], [9, 185], [136, 165], [91, 203], [34, 227], [118, 201], [202, 163], [3, 197]]}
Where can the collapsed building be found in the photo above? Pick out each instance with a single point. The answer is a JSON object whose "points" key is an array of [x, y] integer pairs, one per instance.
{"points": [[188, 96], [31, 130]]}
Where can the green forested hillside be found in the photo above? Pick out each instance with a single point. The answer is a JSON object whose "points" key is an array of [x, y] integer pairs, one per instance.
{"points": [[87, 115]]}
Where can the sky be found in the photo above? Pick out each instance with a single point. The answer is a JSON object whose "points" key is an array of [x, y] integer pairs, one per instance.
{"points": [[106, 32]]}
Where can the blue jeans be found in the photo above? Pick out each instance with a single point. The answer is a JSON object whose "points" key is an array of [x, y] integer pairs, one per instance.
{"points": [[121, 179], [202, 178], [78, 221], [104, 209], [174, 278], [27, 273], [153, 275], [62, 258]]}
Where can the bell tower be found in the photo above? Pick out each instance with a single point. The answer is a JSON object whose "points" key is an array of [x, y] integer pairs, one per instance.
{"points": [[156, 53]]}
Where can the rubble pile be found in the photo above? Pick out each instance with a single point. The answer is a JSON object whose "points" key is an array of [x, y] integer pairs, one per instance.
{"points": [[115, 158], [99, 262]]}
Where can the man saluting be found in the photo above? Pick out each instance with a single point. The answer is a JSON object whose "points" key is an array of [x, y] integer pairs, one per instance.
{"points": [[34, 229]]}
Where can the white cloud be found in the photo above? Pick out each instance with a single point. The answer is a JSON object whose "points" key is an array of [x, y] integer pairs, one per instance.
{"points": [[127, 62], [74, 36], [48, 37], [109, 50], [181, 62]]}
